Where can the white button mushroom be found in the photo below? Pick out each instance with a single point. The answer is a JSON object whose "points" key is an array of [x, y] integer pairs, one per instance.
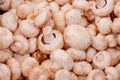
{"points": [[116, 25], [59, 19], [62, 58], [62, 2], [50, 40], [98, 42], [28, 28], [43, 17], [82, 68], [15, 3], [104, 25], [5, 54], [103, 7], [27, 64], [117, 9], [111, 40], [5, 5], [20, 44], [66, 7], [9, 20], [96, 74], [76, 35], [62, 74], [73, 16], [112, 73], [90, 54], [14, 67], [6, 38], [23, 10], [38, 73], [54, 6], [102, 60], [5, 73], [76, 54], [81, 4]]}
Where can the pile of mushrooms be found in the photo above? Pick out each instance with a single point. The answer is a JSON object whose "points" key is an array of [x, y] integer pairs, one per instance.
{"points": [[59, 39]]}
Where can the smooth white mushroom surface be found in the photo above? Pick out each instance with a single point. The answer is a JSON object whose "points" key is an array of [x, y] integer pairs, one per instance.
{"points": [[59, 39]]}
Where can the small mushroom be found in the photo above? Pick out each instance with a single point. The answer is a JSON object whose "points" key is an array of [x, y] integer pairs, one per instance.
{"points": [[5, 5], [27, 64], [6, 38], [96, 74], [38, 73], [77, 55], [9, 20], [28, 28], [15, 68], [20, 44], [50, 40], [102, 60], [82, 68], [62, 74], [103, 7], [112, 73]]}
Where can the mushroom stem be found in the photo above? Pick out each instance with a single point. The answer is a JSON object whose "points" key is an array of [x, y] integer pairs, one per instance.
{"points": [[47, 34]]}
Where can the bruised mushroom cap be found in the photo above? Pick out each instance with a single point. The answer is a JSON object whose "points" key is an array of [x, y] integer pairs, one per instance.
{"points": [[103, 7], [77, 36], [50, 40], [6, 38]]}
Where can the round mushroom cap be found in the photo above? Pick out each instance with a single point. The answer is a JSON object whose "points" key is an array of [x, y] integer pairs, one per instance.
{"points": [[77, 36]]}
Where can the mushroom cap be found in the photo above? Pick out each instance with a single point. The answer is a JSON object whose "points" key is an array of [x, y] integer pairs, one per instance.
{"points": [[77, 36], [56, 43], [6, 38]]}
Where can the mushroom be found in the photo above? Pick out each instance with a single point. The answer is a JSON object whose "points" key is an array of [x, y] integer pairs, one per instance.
{"points": [[62, 58], [5, 54], [5, 73], [66, 7], [9, 20], [38, 73], [28, 28], [62, 74], [91, 52], [103, 7], [111, 40], [59, 19], [81, 4], [112, 73], [20, 44], [6, 38], [23, 10], [54, 6], [32, 45], [27, 64], [15, 3], [96, 74], [104, 25], [77, 55], [5, 5], [50, 40], [73, 16], [14, 67], [80, 34], [117, 9], [82, 68], [43, 17], [62, 2], [98, 42], [116, 25], [102, 60]]}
